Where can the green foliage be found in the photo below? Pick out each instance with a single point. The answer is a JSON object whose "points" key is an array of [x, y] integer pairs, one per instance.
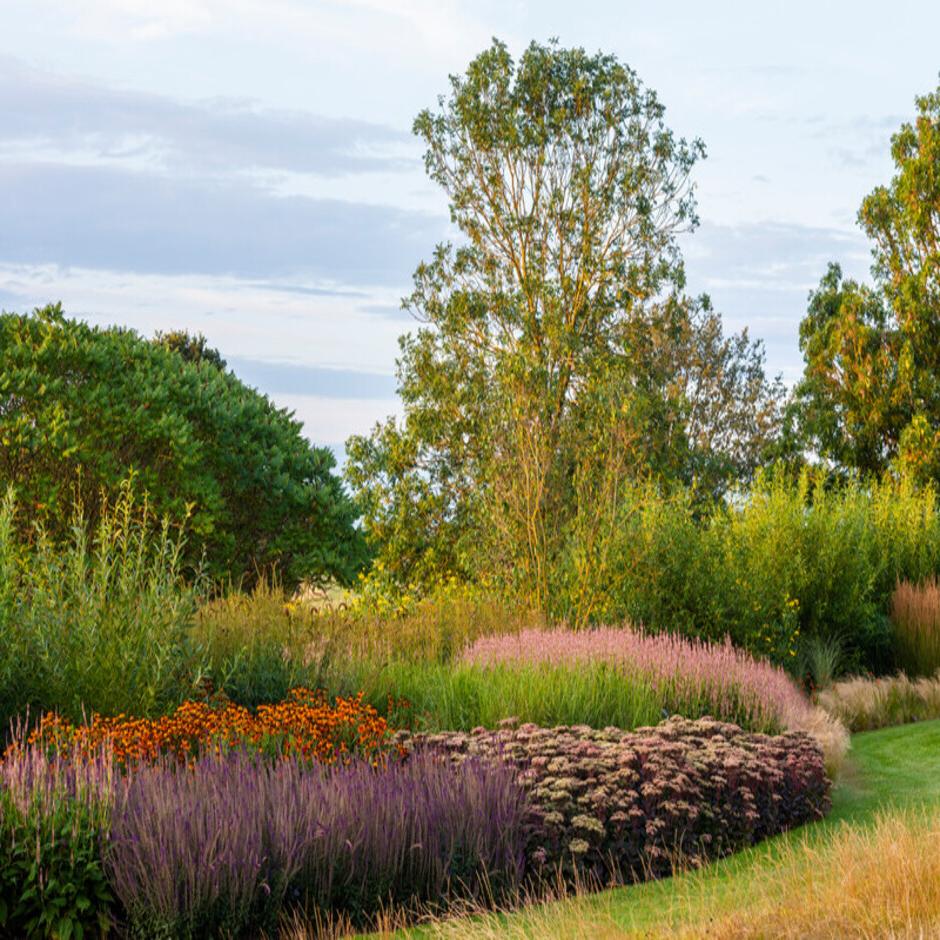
{"points": [[258, 646], [52, 879], [193, 347], [870, 394], [561, 358], [778, 565], [98, 621], [463, 697], [83, 407], [820, 660]]}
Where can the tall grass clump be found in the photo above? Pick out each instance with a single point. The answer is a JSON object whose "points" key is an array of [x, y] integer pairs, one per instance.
{"points": [[98, 622], [915, 615], [869, 881], [688, 677], [258, 645], [384, 622], [462, 696], [864, 704], [225, 850]]}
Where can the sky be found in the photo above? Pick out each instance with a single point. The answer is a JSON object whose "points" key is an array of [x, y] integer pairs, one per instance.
{"points": [[245, 168]]}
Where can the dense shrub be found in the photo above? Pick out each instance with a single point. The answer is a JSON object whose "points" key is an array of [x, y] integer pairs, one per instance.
{"points": [[777, 565], [915, 616], [613, 806], [98, 622], [863, 703], [81, 407], [222, 850], [53, 832]]}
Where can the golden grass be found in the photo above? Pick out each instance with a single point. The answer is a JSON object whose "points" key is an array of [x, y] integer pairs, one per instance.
{"points": [[915, 614], [830, 733], [875, 881], [863, 704]]}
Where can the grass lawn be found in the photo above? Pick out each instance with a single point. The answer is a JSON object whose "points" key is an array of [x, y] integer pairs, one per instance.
{"points": [[893, 768]]}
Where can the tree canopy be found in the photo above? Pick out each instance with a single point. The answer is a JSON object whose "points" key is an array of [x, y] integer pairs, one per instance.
{"points": [[558, 357], [870, 394], [83, 407]]}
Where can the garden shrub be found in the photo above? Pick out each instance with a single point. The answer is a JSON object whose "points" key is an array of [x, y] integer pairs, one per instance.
{"points": [[99, 622], [84, 406], [222, 850], [614, 806], [776, 565]]}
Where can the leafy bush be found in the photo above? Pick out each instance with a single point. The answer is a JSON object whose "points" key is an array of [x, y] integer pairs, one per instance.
{"points": [[53, 829], [97, 622], [915, 616], [863, 704], [612, 806], [777, 565], [83, 406], [222, 850]]}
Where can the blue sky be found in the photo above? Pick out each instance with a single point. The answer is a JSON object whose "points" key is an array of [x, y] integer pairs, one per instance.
{"points": [[245, 167]]}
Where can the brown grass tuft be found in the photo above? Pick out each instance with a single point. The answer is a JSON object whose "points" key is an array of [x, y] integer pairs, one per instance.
{"points": [[863, 704], [915, 613]]}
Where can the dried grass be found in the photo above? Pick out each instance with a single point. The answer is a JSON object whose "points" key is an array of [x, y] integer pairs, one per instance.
{"points": [[870, 882], [864, 704], [915, 613]]}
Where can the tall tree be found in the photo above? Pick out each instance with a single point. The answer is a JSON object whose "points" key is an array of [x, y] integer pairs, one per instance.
{"points": [[870, 394], [558, 357]]}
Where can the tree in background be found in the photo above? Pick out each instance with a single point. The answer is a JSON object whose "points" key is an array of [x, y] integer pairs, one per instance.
{"points": [[870, 394], [82, 407], [559, 359], [193, 347]]}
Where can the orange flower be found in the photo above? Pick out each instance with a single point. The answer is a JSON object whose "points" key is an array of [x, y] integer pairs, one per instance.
{"points": [[306, 724]]}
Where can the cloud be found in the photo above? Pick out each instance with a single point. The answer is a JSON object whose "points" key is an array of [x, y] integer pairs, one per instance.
{"points": [[46, 112], [288, 378], [759, 276], [330, 421], [101, 217], [245, 319]]}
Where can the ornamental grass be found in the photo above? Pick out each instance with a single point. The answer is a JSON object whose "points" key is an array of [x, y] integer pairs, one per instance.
{"points": [[691, 677], [915, 617], [226, 850]]}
